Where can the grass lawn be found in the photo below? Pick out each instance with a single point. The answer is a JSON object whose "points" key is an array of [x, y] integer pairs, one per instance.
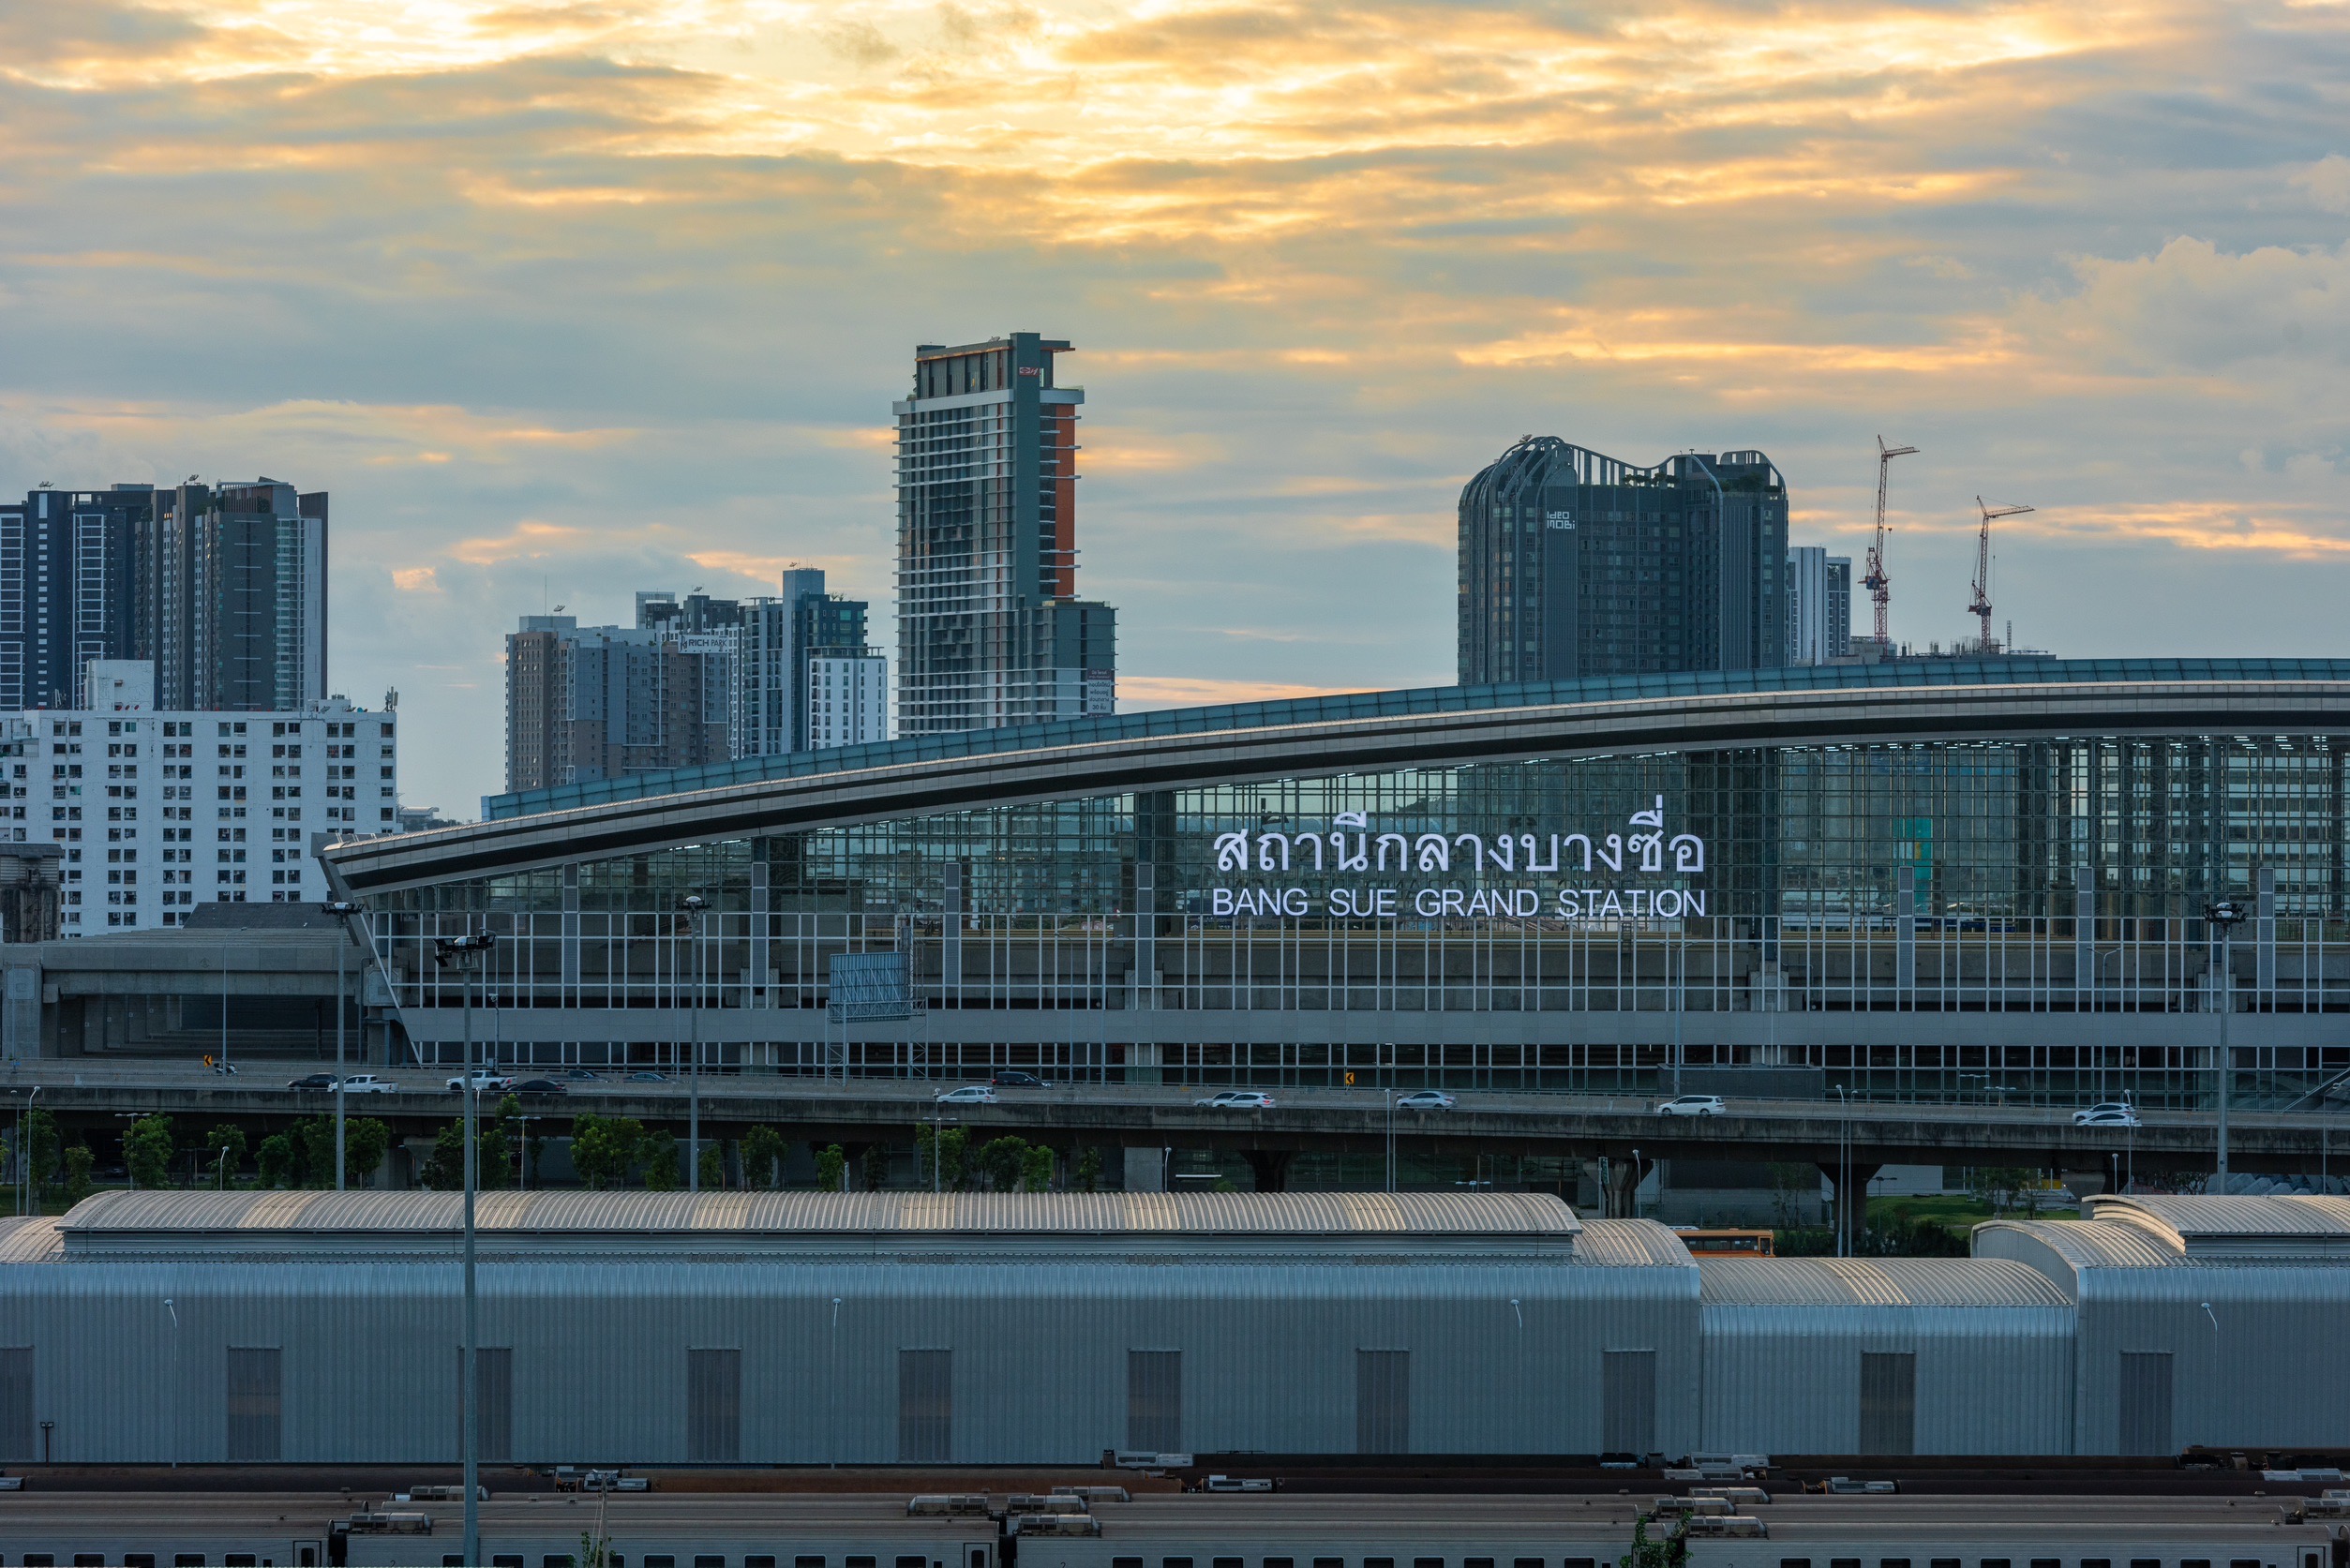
{"points": [[1957, 1211]]}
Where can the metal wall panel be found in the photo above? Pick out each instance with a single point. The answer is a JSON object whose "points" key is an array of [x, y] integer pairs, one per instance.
{"points": [[493, 1380], [16, 1405], [1628, 1402], [925, 1406], [1154, 1401], [1383, 1401], [1889, 1401], [255, 1405], [2144, 1414], [713, 1406]]}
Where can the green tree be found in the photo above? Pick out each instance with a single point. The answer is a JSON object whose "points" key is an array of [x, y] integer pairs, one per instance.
{"points": [[604, 1147], [1036, 1169], [78, 1183], [925, 1155], [226, 1144], [445, 1168], [872, 1167], [659, 1152], [43, 1144], [147, 1151], [954, 1159], [714, 1166], [314, 1145], [832, 1169], [1089, 1171], [365, 1142], [496, 1135], [1001, 1160], [279, 1161], [762, 1156], [1671, 1552]]}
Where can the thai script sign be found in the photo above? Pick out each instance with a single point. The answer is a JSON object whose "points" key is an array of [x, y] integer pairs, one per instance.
{"points": [[1351, 849]]}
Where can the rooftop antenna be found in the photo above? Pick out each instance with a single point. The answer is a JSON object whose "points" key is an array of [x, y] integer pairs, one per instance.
{"points": [[1981, 609], [1880, 585]]}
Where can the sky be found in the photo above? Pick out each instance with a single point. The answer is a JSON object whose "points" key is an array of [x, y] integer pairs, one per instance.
{"points": [[564, 300]]}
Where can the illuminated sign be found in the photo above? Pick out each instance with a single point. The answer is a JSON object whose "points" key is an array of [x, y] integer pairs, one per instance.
{"points": [[1351, 849]]}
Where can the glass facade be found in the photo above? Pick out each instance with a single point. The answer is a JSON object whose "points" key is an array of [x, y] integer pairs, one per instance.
{"points": [[1934, 919]]}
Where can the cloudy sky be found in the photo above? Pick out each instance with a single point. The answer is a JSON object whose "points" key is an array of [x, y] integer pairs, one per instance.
{"points": [[562, 300]]}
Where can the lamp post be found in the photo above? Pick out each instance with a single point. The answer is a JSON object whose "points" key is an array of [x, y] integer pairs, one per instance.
{"points": [[1844, 1136], [2223, 916], [462, 953], [342, 909], [693, 904], [1391, 1094]]}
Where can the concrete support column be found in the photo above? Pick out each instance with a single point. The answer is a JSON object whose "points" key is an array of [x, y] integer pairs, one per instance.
{"points": [[1146, 1170], [1855, 1216], [1271, 1168], [1622, 1192]]}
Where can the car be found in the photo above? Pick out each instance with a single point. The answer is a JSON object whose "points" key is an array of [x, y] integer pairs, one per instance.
{"points": [[582, 1075], [315, 1081], [1425, 1099], [1237, 1100], [648, 1078], [1693, 1105], [368, 1083], [2096, 1114], [483, 1080], [540, 1087], [1011, 1078], [970, 1094]]}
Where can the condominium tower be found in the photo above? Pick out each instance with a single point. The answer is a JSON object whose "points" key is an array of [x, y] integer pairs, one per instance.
{"points": [[1575, 564], [991, 631]]}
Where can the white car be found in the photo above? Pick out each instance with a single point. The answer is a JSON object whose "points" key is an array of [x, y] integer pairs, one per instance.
{"points": [[2113, 1115], [1693, 1105], [1425, 1099], [368, 1083], [482, 1080], [970, 1094], [1237, 1100]]}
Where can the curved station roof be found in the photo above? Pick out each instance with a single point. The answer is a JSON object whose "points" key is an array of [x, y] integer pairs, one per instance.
{"points": [[1953, 699]]}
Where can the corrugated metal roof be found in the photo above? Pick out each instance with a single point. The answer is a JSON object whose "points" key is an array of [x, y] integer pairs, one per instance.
{"points": [[2086, 1244], [1268, 1214], [31, 1241], [1873, 1282], [1630, 1243], [2233, 1221]]}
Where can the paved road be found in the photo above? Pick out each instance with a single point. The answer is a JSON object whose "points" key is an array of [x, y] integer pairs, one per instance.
{"points": [[869, 1110]]}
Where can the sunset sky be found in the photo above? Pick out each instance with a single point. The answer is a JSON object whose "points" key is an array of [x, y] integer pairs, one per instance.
{"points": [[565, 300]]}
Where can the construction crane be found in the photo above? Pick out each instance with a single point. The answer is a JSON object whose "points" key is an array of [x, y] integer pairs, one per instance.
{"points": [[1981, 609], [1879, 585]]}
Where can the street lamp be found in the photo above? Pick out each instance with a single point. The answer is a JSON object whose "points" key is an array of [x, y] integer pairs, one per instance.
{"points": [[1844, 1138], [2223, 916], [463, 953], [342, 909], [693, 904]]}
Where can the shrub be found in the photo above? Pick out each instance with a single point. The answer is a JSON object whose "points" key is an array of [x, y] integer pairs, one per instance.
{"points": [[872, 1167], [147, 1151], [762, 1156], [78, 1183], [832, 1169], [1089, 1171], [713, 1166], [659, 1152]]}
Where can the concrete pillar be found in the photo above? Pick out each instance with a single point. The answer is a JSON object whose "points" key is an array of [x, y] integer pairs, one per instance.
{"points": [[1623, 1185], [1856, 1216], [1146, 1170], [1271, 1168]]}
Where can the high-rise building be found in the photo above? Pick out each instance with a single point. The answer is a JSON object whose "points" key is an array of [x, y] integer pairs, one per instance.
{"points": [[1574, 564], [223, 588], [155, 809], [1818, 605], [600, 702], [990, 629]]}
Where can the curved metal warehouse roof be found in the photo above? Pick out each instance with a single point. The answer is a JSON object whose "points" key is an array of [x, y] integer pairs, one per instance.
{"points": [[1873, 1282]]}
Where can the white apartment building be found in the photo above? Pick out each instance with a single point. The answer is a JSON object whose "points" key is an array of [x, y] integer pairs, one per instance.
{"points": [[848, 700], [158, 811]]}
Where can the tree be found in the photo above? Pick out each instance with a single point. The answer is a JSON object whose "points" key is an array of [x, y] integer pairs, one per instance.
{"points": [[872, 1167], [1036, 1173], [1671, 1552], [43, 1143], [925, 1155], [604, 1147], [1001, 1160], [280, 1162], [954, 1153], [365, 1142], [713, 1165], [495, 1134], [314, 1143], [658, 1151], [227, 1144], [445, 1168], [1089, 1171], [78, 1183], [762, 1156], [147, 1151], [832, 1169]]}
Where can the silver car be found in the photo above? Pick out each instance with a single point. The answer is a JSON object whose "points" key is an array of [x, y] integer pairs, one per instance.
{"points": [[1693, 1105]]}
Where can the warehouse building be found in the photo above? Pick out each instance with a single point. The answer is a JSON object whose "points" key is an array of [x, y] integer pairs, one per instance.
{"points": [[877, 1328]]}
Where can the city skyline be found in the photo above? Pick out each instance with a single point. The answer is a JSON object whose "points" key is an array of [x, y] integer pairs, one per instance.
{"points": [[2090, 267]]}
